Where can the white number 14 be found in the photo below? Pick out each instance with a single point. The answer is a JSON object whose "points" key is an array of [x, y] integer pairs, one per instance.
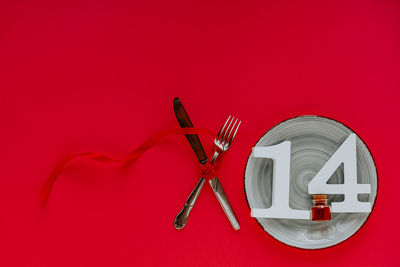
{"points": [[346, 154]]}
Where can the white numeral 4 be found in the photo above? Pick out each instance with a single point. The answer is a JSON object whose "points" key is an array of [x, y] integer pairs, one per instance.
{"points": [[347, 155]]}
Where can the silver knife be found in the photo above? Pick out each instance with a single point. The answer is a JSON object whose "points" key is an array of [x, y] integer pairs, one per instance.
{"points": [[194, 141]]}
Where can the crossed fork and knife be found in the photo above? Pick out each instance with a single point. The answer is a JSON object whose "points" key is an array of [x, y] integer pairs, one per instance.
{"points": [[221, 144]]}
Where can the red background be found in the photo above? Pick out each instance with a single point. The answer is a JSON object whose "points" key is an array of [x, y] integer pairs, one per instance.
{"points": [[100, 76]]}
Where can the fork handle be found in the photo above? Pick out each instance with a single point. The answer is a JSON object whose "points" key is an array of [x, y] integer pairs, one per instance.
{"points": [[183, 216], [215, 156], [223, 200]]}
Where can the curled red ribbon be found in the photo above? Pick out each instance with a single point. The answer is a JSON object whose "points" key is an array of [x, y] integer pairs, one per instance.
{"points": [[207, 170]]}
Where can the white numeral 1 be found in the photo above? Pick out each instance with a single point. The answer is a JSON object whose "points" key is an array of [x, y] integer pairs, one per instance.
{"points": [[280, 154]]}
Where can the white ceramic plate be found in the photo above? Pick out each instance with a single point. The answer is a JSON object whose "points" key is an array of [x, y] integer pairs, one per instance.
{"points": [[314, 139]]}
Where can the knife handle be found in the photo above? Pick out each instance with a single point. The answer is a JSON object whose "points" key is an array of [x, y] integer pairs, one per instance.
{"points": [[182, 217], [223, 200]]}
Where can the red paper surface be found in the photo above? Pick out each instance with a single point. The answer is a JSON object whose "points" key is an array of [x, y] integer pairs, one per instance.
{"points": [[101, 76]]}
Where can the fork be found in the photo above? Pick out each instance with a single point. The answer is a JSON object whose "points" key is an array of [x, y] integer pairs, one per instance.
{"points": [[222, 143]]}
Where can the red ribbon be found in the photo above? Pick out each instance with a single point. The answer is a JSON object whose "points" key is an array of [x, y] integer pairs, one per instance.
{"points": [[207, 170]]}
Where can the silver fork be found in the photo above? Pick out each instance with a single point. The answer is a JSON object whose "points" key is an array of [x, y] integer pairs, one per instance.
{"points": [[222, 143]]}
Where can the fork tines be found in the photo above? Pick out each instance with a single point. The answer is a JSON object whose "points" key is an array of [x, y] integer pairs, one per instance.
{"points": [[227, 133]]}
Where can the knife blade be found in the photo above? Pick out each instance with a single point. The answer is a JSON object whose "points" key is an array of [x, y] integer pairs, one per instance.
{"points": [[184, 121]]}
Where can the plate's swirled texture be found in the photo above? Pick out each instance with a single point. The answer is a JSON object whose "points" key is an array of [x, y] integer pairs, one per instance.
{"points": [[313, 139]]}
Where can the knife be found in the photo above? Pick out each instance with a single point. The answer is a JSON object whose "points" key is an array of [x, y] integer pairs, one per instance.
{"points": [[194, 141]]}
